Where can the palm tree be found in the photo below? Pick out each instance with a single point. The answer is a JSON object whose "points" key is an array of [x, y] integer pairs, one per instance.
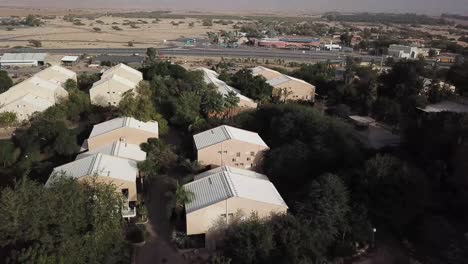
{"points": [[231, 101], [182, 196]]}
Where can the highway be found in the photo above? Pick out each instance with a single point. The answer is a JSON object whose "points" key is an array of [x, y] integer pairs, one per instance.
{"points": [[260, 53]]}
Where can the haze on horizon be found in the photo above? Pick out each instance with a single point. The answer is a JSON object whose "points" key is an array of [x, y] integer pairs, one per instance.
{"points": [[435, 7]]}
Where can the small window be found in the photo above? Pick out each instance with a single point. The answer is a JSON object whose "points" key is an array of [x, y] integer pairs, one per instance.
{"points": [[108, 92], [225, 152], [248, 159], [234, 159], [238, 154], [242, 164], [252, 153], [220, 152]]}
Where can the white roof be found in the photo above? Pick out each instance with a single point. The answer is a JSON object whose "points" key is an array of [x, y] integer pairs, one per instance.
{"points": [[119, 149], [117, 78], [39, 82], [124, 67], [211, 76], [259, 69], [446, 106], [285, 78], [39, 103], [58, 75], [216, 186], [223, 133], [122, 122], [100, 165], [70, 58], [14, 57], [230, 169]]}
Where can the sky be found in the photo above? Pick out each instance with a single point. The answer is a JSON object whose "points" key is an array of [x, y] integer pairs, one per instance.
{"points": [[398, 6]]}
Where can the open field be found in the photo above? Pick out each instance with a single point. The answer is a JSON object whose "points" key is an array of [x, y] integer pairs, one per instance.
{"points": [[57, 33]]}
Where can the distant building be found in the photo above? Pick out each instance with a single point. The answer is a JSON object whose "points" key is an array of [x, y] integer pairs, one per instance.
{"points": [[286, 87], [448, 57], [447, 106], [403, 52], [332, 47], [226, 145], [290, 42], [113, 84], [37, 93], [70, 60], [120, 172], [123, 129], [222, 193], [23, 59], [211, 77]]}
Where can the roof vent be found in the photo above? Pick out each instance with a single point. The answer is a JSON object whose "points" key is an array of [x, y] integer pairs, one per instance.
{"points": [[209, 180], [212, 132]]}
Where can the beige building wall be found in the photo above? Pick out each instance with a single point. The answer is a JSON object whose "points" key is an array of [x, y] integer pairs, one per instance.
{"points": [[109, 92], [232, 153], [23, 109], [125, 134], [200, 221], [119, 184], [298, 90]]}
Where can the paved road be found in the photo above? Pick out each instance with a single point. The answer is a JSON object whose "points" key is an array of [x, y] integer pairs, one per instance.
{"points": [[215, 52]]}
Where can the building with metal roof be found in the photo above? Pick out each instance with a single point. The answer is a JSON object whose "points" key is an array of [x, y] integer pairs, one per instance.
{"points": [[114, 83], [286, 87], [221, 193], [226, 145], [23, 59], [211, 77], [37, 93], [119, 149], [124, 129], [70, 60]]}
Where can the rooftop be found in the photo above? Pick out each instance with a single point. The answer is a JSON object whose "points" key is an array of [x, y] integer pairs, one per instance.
{"points": [[40, 103], [446, 106], [119, 149], [218, 185], [223, 133], [116, 78], [122, 122], [70, 58], [7, 57], [123, 67], [101, 165], [211, 76], [230, 169]]}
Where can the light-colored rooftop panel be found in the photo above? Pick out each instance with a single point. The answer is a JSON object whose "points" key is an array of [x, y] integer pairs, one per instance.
{"points": [[121, 122], [223, 133]]}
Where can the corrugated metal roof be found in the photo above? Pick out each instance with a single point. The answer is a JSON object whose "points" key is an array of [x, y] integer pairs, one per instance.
{"points": [[117, 78], [211, 76], [121, 122], [101, 165], [119, 149], [9, 57], [230, 169], [218, 185], [124, 67], [223, 133]]}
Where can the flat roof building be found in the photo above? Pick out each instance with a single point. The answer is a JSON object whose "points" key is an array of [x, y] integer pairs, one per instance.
{"points": [[23, 59]]}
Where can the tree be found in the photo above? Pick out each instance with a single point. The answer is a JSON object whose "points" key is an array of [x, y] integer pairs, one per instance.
{"points": [[8, 119], [140, 105], [211, 102], [160, 157], [231, 101], [71, 85], [35, 43], [397, 191], [152, 54], [130, 44], [186, 109], [249, 241], [86, 80], [36, 229], [207, 23], [8, 153], [182, 196], [96, 29], [5, 82], [327, 206], [251, 86], [32, 21]]}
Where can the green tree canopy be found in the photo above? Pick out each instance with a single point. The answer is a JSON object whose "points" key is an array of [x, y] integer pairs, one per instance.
{"points": [[67, 222], [251, 86], [5, 82]]}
